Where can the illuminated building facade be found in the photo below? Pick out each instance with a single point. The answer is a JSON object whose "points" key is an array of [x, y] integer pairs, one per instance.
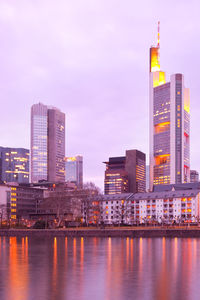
{"points": [[23, 201], [194, 176], [74, 170], [116, 177], [126, 174], [14, 165], [169, 125], [39, 123], [47, 144], [180, 205]]}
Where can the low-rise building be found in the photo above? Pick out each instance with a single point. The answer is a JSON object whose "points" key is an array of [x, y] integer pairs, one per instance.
{"points": [[173, 203]]}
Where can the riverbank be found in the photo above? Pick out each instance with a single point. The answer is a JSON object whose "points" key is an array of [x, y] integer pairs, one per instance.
{"points": [[107, 232]]}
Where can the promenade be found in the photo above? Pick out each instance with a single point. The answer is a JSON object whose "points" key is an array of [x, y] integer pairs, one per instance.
{"points": [[132, 232]]}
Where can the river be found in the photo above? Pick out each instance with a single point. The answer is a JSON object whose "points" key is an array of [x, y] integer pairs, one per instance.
{"points": [[99, 268]]}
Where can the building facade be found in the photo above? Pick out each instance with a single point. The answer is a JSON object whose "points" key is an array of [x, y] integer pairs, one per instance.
{"points": [[126, 174], [14, 165], [164, 207], [5, 196], [194, 176], [169, 125], [23, 201], [39, 142], [56, 145], [47, 143], [168, 204], [74, 170]]}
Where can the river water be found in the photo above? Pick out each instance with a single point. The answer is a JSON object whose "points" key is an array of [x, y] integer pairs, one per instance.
{"points": [[99, 268]]}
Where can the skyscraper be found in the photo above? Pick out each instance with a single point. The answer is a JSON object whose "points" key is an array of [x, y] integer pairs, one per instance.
{"points": [[47, 143], [56, 145], [74, 170], [39, 128], [126, 174], [169, 125]]}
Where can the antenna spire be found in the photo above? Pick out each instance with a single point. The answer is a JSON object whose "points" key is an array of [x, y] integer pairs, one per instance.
{"points": [[158, 44]]}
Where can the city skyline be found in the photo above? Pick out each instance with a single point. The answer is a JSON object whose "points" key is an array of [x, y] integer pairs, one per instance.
{"points": [[95, 74]]}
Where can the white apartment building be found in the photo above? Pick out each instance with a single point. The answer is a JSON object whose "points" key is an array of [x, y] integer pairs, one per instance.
{"points": [[164, 206]]}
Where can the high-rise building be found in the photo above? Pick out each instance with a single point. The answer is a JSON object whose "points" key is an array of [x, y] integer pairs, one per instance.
{"points": [[56, 145], [147, 178], [126, 174], [194, 176], [47, 143], [116, 178], [74, 170], [14, 165], [39, 142], [169, 125]]}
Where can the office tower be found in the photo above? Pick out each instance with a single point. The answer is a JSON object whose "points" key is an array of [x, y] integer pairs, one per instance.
{"points": [[116, 178], [169, 125], [74, 170], [14, 165], [47, 143], [39, 128], [56, 145], [194, 176], [126, 174], [147, 178]]}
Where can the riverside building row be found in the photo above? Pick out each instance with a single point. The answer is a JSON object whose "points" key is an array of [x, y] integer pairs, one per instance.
{"points": [[167, 204], [27, 202]]}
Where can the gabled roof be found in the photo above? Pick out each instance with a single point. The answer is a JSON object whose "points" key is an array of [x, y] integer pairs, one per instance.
{"points": [[165, 194], [181, 186]]}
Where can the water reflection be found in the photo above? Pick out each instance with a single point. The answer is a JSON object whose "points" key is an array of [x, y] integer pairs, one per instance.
{"points": [[94, 268]]}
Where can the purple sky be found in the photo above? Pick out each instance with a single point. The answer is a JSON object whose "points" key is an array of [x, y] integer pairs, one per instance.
{"points": [[90, 59]]}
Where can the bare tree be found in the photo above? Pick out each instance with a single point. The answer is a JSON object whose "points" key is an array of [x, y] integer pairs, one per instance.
{"points": [[3, 213], [66, 205], [123, 212], [91, 204]]}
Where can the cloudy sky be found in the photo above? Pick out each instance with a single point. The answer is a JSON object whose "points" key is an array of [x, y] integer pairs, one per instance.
{"points": [[90, 59]]}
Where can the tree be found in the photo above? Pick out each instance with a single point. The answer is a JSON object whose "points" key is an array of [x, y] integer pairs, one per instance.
{"points": [[3, 213], [122, 212], [91, 204], [64, 204]]}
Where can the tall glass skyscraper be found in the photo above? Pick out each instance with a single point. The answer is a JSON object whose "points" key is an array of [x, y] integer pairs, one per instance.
{"points": [[47, 143], [39, 128], [74, 170], [169, 125]]}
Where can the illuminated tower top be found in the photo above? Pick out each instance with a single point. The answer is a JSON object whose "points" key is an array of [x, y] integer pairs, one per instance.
{"points": [[155, 54], [158, 77]]}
